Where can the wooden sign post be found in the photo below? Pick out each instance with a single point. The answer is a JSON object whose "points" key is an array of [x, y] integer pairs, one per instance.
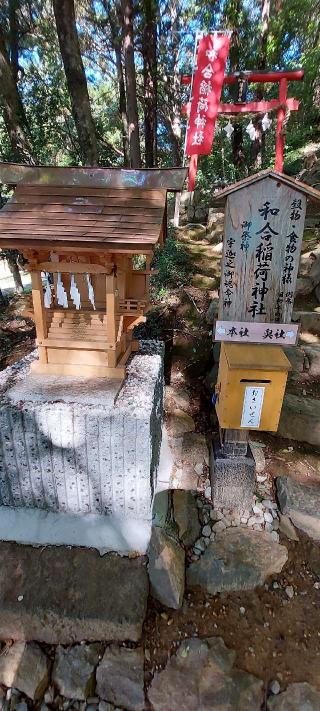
{"points": [[264, 224]]}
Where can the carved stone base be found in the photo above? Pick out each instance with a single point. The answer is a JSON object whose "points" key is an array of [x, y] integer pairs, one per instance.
{"points": [[232, 479]]}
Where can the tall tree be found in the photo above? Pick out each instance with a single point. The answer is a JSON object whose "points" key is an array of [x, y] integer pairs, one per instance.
{"points": [[13, 111], [149, 53], [131, 83], [169, 106], [76, 79], [113, 14]]}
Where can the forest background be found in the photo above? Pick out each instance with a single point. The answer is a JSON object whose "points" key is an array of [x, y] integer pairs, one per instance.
{"points": [[97, 82]]}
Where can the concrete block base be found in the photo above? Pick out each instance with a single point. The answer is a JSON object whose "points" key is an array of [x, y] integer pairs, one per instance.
{"points": [[232, 479], [79, 457]]}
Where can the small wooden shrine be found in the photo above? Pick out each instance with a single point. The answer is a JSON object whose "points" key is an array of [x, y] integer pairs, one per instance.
{"points": [[80, 230]]}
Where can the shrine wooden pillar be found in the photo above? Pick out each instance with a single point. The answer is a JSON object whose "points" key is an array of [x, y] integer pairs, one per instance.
{"points": [[112, 308], [39, 312]]}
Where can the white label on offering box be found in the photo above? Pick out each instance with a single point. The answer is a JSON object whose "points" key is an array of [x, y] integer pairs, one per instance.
{"points": [[252, 406]]}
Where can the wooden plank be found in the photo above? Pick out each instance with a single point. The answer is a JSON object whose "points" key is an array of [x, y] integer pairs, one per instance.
{"points": [[79, 201], [84, 210], [244, 332], [129, 247], [83, 371], [121, 178], [96, 241], [82, 231], [74, 344], [70, 268], [131, 193], [79, 220], [262, 243], [60, 210], [69, 356]]}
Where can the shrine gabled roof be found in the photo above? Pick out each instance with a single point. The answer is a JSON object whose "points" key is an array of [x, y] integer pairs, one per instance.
{"points": [[171, 179], [312, 193], [53, 216]]}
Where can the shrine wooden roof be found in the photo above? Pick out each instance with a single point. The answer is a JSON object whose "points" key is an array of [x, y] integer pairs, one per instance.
{"points": [[52, 216], [171, 179], [311, 193]]}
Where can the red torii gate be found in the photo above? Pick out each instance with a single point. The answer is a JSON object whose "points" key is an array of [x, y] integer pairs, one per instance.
{"points": [[280, 105]]}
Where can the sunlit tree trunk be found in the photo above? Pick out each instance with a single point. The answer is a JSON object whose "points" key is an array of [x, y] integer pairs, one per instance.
{"points": [[76, 79], [131, 87]]}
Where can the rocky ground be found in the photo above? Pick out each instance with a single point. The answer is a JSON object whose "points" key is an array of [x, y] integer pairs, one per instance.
{"points": [[223, 613]]}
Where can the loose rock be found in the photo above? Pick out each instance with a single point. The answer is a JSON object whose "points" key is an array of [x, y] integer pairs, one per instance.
{"points": [[275, 687], [186, 516], [73, 670], [166, 569], [300, 419], [297, 697], [120, 678], [302, 504], [25, 667], [201, 676], [287, 528], [179, 422], [238, 559]]}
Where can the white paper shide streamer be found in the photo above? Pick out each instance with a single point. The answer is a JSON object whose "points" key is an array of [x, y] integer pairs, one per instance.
{"points": [[48, 292], [90, 291], [251, 131], [229, 129], [75, 293], [266, 122], [62, 298]]}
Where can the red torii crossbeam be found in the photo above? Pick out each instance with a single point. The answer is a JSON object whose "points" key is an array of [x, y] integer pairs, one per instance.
{"points": [[280, 105]]}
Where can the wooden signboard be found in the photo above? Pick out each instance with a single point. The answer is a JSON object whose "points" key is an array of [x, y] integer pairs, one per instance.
{"points": [[264, 224], [284, 334]]}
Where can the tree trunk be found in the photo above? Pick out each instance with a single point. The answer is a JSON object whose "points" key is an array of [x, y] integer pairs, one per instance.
{"points": [[13, 112], [14, 38], [12, 264], [76, 79], [259, 142], [149, 50], [131, 87], [115, 22], [123, 106]]}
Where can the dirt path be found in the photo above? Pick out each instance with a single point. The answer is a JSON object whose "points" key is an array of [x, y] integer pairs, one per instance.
{"points": [[275, 637]]}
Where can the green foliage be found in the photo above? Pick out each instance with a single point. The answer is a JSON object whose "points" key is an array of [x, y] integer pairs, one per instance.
{"points": [[174, 267]]}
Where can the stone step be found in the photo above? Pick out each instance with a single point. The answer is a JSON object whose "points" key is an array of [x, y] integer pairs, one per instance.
{"points": [[64, 595]]}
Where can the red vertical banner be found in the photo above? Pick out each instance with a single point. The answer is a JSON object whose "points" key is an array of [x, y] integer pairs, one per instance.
{"points": [[206, 92]]}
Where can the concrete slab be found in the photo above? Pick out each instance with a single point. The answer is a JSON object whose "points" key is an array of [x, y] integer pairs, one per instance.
{"points": [[62, 595], [105, 533]]}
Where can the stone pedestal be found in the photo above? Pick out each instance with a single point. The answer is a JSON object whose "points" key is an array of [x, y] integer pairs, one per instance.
{"points": [[232, 478], [81, 455]]}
